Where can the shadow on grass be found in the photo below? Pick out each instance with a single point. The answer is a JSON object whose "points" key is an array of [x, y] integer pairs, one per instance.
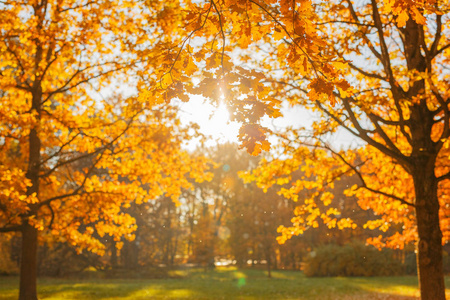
{"points": [[226, 283]]}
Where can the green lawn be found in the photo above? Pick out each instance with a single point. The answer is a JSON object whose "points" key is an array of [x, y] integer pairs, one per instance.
{"points": [[224, 283]]}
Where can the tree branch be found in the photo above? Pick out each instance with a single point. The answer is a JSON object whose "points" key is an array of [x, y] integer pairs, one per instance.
{"points": [[444, 177], [437, 37], [365, 73], [363, 182], [385, 59], [365, 38], [11, 229], [394, 153]]}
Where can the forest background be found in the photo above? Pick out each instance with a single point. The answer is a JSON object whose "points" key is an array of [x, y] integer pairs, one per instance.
{"points": [[226, 222]]}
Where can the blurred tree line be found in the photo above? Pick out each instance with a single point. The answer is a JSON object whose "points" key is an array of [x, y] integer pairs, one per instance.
{"points": [[221, 222]]}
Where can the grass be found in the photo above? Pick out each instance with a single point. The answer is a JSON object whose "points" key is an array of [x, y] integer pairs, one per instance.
{"points": [[223, 283]]}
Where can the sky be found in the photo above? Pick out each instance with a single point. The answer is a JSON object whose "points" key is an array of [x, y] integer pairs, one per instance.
{"points": [[214, 122]]}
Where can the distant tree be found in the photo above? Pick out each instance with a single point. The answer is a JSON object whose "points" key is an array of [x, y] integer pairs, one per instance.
{"points": [[242, 214]]}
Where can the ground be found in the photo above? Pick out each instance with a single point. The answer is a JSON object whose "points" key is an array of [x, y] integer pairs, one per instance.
{"points": [[223, 283]]}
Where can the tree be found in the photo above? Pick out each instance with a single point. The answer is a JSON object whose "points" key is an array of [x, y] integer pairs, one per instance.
{"points": [[400, 112], [377, 69], [159, 236], [71, 159]]}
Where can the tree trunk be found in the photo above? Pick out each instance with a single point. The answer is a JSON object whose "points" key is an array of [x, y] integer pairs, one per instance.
{"points": [[114, 258], [28, 264], [269, 262], [429, 246]]}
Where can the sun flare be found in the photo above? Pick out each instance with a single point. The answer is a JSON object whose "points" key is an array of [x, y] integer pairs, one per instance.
{"points": [[214, 121]]}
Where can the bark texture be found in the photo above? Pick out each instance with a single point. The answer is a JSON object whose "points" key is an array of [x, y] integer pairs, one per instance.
{"points": [[429, 246], [28, 264]]}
